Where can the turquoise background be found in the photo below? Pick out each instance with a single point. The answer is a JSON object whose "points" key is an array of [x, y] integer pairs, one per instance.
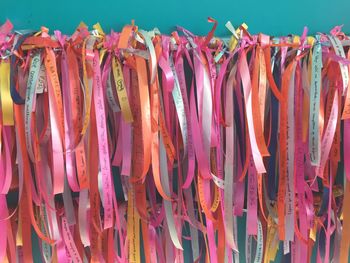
{"points": [[273, 17]]}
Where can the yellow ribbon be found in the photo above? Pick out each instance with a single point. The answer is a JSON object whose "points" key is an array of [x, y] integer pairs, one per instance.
{"points": [[6, 100], [133, 228], [121, 90]]}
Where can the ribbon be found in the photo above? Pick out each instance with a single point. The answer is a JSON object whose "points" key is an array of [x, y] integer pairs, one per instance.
{"points": [[131, 146]]}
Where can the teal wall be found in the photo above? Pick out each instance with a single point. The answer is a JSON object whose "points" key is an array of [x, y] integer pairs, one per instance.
{"points": [[273, 17]]}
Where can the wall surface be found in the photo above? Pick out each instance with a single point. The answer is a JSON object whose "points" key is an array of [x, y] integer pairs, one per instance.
{"points": [[273, 17]]}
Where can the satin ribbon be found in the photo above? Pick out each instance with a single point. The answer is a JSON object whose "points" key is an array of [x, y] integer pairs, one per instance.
{"points": [[196, 131]]}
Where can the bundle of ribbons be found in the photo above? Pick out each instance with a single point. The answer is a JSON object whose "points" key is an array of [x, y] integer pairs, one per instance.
{"points": [[143, 147]]}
